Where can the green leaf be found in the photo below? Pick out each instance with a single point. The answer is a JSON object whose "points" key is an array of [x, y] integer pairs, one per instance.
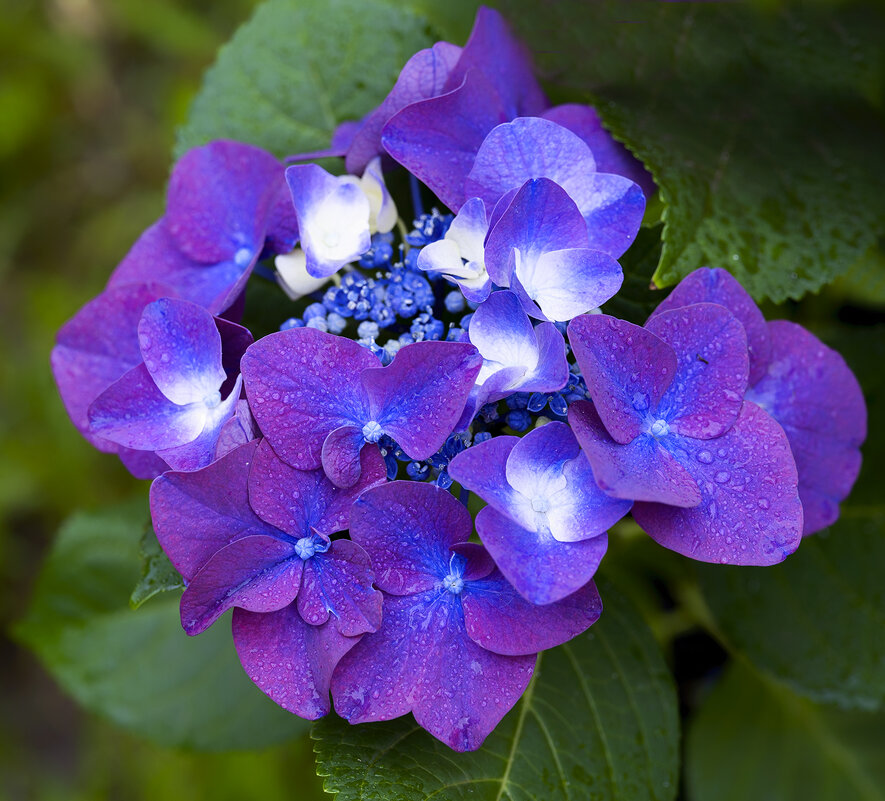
{"points": [[754, 739], [763, 130], [158, 574], [598, 722], [139, 668], [816, 620], [298, 68]]}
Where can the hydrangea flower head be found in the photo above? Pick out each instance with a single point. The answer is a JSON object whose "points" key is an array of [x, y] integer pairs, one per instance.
{"points": [[457, 645]]}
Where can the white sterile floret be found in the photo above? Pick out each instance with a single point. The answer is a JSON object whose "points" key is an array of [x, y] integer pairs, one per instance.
{"points": [[292, 275], [382, 209]]}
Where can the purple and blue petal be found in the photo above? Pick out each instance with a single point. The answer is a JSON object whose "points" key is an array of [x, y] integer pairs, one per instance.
{"points": [[291, 661], [301, 385], [750, 513], [627, 370]]}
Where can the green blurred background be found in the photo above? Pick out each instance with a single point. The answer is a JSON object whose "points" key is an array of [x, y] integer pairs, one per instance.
{"points": [[90, 94]]}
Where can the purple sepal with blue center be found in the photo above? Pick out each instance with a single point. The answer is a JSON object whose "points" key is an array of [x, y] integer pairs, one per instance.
{"points": [[712, 475], [457, 644], [251, 532], [540, 247], [804, 385], [545, 525], [321, 398], [171, 403], [227, 204], [530, 147]]}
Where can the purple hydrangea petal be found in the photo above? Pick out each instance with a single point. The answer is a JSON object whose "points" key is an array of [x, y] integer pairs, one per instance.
{"points": [[707, 391], [181, 348], [627, 370], [611, 156], [333, 218], [640, 470], [218, 201], [530, 147], [339, 583], [540, 218], [566, 283], [424, 76], [504, 60], [418, 398], [815, 397], [256, 573], [457, 690], [299, 501], [407, 529], [144, 465], [96, 347], [134, 413], [235, 339], [750, 513], [481, 468], [437, 139], [500, 620], [302, 384], [203, 449], [552, 372], [706, 285], [239, 430], [478, 563], [291, 661], [196, 514], [541, 568], [341, 455], [548, 469]]}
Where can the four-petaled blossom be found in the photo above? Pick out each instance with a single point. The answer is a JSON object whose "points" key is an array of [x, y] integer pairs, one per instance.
{"points": [[516, 356], [250, 532], [320, 398], [457, 645], [545, 525], [712, 475], [460, 255], [540, 248], [185, 389], [801, 383]]}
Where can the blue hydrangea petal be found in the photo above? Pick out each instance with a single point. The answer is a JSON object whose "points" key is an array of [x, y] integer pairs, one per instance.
{"points": [[341, 455], [421, 660], [707, 391], [338, 583], [181, 348], [501, 620], [291, 661], [419, 397], [627, 370], [542, 569], [407, 528], [750, 512], [611, 156], [197, 513], [132, 412], [482, 469], [810, 390], [303, 384], [256, 573], [640, 470], [707, 285]]}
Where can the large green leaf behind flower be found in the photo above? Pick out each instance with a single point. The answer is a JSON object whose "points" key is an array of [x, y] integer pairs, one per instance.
{"points": [[598, 723], [139, 668]]}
